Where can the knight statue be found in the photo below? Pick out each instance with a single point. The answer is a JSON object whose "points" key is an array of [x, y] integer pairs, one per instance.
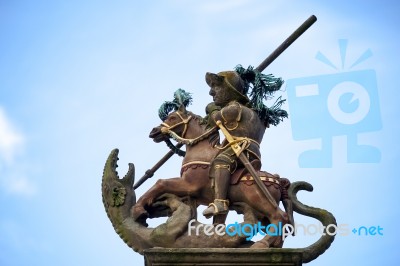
{"points": [[223, 176], [246, 120]]}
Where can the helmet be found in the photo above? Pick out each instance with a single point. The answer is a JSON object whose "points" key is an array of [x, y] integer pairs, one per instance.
{"points": [[230, 80]]}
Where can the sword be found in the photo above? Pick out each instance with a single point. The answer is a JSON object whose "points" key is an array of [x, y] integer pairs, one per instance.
{"points": [[238, 151]]}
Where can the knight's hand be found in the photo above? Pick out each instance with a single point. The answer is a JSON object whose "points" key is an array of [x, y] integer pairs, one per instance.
{"points": [[214, 140], [211, 107]]}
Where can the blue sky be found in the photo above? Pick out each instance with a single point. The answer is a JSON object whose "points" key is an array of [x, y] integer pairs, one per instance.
{"points": [[79, 78]]}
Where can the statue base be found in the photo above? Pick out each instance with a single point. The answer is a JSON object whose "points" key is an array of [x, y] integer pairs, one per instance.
{"points": [[222, 256]]}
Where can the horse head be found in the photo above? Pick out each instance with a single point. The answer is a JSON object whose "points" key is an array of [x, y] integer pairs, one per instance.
{"points": [[178, 125]]}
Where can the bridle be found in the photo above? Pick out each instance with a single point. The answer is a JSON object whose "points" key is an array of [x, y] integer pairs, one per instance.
{"points": [[167, 129]]}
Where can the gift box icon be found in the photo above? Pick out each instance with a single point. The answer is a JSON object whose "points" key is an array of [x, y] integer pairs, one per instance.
{"points": [[338, 104]]}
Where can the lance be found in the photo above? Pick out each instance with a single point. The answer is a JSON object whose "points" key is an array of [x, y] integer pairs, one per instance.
{"points": [[296, 34], [150, 172]]}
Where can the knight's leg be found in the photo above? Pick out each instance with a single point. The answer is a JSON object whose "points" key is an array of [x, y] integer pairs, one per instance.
{"points": [[221, 181]]}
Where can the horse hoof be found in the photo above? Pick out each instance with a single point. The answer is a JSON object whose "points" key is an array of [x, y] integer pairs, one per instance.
{"points": [[139, 214], [208, 213], [259, 245]]}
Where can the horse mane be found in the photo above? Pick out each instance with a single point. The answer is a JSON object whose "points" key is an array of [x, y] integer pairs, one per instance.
{"points": [[203, 122]]}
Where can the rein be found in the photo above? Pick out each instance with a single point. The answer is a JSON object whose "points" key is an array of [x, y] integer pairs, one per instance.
{"points": [[190, 142], [185, 122], [174, 148], [167, 129]]}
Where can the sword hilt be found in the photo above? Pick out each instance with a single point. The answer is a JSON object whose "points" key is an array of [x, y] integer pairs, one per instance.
{"points": [[234, 144]]}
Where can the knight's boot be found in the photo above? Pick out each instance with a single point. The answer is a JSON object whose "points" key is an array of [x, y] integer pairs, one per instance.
{"points": [[220, 204]]}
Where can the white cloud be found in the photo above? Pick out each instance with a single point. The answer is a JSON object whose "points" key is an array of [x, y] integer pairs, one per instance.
{"points": [[12, 175], [21, 186], [10, 139]]}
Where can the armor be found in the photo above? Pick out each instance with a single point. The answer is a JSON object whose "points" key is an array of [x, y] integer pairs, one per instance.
{"points": [[227, 89]]}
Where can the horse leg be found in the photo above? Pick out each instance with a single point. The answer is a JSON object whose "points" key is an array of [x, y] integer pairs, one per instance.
{"points": [[177, 186], [273, 230], [220, 218], [257, 200]]}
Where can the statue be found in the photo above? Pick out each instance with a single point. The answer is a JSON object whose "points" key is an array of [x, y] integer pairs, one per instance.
{"points": [[190, 129], [224, 176], [245, 121]]}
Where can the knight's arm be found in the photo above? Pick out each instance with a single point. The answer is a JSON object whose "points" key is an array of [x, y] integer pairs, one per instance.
{"points": [[211, 112], [230, 114]]}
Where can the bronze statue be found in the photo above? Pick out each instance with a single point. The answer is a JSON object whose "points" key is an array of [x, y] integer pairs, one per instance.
{"points": [[233, 110], [191, 129], [119, 196], [223, 176]]}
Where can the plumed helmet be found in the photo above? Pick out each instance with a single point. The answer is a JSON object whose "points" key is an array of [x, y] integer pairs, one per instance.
{"points": [[230, 80]]}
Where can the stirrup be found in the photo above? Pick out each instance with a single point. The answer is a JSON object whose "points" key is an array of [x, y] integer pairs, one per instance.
{"points": [[220, 206]]}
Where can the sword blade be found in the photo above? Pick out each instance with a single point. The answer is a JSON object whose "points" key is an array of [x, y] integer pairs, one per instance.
{"points": [[258, 180]]}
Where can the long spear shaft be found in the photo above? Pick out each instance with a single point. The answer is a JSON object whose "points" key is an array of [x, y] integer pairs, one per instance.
{"points": [[296, 34], [150, 172]]}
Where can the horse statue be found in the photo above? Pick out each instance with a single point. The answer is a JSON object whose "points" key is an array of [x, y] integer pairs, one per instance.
{"points": [[179, 198], [119, 199], [189, 129]]}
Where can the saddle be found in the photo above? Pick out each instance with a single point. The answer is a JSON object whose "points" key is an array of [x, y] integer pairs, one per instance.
{"points": [[242, 175]]}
